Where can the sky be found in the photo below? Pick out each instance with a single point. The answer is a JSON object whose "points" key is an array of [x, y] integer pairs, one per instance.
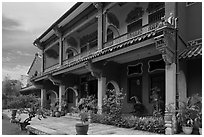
{"points": [[22, 23]]}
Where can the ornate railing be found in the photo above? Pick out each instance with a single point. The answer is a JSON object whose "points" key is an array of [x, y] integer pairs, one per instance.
{"points": [[51, 68], [122, 38], [71, 59], [127, 36]]}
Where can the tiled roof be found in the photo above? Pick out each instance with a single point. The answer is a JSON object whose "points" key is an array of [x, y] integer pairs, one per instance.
{"points": [[191, 51]]}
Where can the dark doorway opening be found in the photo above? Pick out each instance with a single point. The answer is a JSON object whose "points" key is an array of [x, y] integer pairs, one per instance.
{"points": [[158, 80], [93, 87]]}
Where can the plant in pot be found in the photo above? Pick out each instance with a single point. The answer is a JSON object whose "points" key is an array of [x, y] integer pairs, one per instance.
{"points": [[187, 113], [64, 108], [197, 101], [29, 105], [156, 101], [85, 108], [198, 122], [55, 109], [14, 104], [138, 107], [82, 127]]}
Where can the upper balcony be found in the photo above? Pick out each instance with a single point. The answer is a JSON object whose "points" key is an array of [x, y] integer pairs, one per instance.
{"points": [[118, 27]]}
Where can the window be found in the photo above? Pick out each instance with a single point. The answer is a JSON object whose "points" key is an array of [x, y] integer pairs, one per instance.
{"points": [[109, 35], [88, 41], [70, 54], [134, 25], [156, 16], [135, 88], [84, 48], [93, 44], [70, 96]]}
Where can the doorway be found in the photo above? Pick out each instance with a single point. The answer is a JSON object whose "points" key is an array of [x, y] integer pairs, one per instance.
{"points": [[158, 80], [70, 96]]}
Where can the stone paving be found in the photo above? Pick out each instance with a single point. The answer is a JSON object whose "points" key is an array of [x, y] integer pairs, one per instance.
{"points": [[66, 125]]}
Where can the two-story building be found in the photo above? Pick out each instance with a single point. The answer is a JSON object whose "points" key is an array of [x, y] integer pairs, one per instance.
{"points": [[126, 46]]}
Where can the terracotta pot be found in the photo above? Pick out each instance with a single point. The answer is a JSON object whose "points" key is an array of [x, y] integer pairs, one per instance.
{"points": [[23, 125], [200, 131], [187, 130], [13, 112], [57, 114], [81, 128]]}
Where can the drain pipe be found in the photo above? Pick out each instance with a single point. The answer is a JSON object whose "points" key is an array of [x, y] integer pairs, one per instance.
{"points": [[176, 58]]}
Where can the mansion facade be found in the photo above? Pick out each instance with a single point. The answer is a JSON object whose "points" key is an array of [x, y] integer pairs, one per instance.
{"points": [[123, 46]]}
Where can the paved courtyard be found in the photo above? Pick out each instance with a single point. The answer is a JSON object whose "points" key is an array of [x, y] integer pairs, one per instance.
{"points": [[66, 125]]}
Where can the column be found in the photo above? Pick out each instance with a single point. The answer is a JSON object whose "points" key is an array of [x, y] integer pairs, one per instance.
{"points": [[43, 98], [42, 62], [170, 73], [60, 51], [100, 27], [101, 92], [61, 93]]}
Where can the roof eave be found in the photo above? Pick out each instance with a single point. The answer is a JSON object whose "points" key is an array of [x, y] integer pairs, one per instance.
{"points": [[57, 22]]}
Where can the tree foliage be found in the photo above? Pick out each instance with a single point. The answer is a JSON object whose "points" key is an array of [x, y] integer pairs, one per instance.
{"points": [[11, 87]]}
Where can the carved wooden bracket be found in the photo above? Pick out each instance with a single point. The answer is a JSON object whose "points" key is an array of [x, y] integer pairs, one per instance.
{"points": [[38, 85], [166, 45], [95, 72], [54, 81], [57, 32]]}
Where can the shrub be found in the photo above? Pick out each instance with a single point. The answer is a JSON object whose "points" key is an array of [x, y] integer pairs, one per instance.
{"points": [[150, 123], [23, 101], [112, 104], [88, 103]]}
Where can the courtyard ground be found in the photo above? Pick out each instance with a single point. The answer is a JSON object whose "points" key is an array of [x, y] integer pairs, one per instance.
{"points": [[66, 125], [10, 128]]}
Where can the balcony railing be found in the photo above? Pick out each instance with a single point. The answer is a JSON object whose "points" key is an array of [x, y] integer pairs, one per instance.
{"points": [[51, 68], [127, 36], [122, 38], [67, 61]]}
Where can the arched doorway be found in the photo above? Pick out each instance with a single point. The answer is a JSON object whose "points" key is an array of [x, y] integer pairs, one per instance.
{"points": [[52, 96], [71, 97], [112, 85], [112, 32]]}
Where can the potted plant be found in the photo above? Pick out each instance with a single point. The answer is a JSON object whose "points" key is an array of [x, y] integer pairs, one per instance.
{"points": [[188, 112], [32, 112], [198, 106], [82, 127], [198, 122], [85, 107], [55, 109], [138, 107], [64, 108], [156, 102]]}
